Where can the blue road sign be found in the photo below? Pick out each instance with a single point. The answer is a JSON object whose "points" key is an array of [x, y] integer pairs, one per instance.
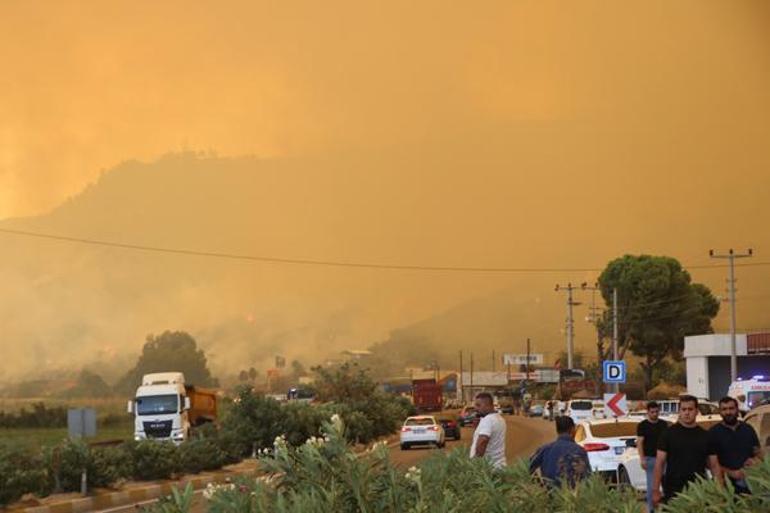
{"points": [[614, 372]]}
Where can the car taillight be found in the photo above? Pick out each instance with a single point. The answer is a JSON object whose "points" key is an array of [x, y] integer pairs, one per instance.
{"points": [[433, 428], [594, 447], [405, 429]]}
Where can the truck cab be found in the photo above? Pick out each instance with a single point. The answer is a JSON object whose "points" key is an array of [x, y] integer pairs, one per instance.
{"points": [[165, 408]]}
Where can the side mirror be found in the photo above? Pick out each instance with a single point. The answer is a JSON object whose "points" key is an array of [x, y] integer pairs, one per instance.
{"points": [[130, 407], [186, 403]]}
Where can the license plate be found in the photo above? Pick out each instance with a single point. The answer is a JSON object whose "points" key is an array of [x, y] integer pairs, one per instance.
{"points": [[620, 450], [419, 431]]}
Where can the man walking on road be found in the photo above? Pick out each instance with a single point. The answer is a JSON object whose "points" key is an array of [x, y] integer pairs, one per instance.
{"points": [[563, 459], [683, 453], [648, 433], [489, 436], [734, 445]]}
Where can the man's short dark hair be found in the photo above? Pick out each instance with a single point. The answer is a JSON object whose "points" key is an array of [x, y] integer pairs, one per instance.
{"points": [[688, 399], [564, 425], [727, 399], [652, 404], [485, 396]]}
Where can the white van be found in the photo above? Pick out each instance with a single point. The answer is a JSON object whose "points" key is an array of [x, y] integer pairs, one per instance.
{"points": [[750, 393], [580, 410]]}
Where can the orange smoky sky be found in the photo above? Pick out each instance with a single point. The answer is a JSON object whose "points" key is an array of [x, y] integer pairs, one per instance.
{"points": [[501, 133]]}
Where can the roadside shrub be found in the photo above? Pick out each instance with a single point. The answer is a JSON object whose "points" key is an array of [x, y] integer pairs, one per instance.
{"points": [[199, 454], [41, 416], [252, 420], [108, 465], [151, 459], [20, 472], [66, 462]]}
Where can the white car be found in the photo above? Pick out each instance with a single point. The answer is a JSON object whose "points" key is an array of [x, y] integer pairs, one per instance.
{"points": [[630, 472], [421, 430], [605, 441], [580, 410], [598, 409]]}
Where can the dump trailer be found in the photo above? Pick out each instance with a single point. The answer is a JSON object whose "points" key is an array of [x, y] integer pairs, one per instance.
{"points": [[167, 408], [426, 394]]}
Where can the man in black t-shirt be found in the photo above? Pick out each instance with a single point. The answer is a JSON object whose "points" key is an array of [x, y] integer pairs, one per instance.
{"points": [[648, 433], [734, 445], [683, 452]]}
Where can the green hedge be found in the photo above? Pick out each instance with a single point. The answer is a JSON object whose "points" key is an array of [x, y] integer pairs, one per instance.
{"points": [[251, 423]]}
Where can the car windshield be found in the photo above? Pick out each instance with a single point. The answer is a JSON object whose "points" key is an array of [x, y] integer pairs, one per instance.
{"points": [[754, 399], [419, 422], [581, 405], [157, 404], [614, 429]]}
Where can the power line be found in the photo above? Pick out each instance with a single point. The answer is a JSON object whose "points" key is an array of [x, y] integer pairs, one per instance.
{"points": [[329, 263]]}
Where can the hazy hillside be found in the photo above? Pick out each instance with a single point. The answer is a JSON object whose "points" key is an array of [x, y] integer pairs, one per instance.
{"points": [[67, 304]]}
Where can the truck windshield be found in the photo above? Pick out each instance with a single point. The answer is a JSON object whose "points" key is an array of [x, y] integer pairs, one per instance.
{"points": [[581, 405], [754, 399], [156, 404]]}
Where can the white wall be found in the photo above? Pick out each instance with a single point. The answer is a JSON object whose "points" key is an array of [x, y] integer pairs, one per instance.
{"points": [[698, 376], [715, 344]]}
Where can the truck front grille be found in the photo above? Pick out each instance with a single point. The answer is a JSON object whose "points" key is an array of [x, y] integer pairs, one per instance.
{"points": [[157, 429]]}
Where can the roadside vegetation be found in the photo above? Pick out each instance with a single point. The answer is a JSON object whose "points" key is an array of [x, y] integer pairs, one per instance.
{"points": [[324, 474], [250, 424]]}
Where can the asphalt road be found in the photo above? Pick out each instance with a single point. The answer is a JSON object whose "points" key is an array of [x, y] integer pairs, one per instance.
{"points": [[522, 437]]}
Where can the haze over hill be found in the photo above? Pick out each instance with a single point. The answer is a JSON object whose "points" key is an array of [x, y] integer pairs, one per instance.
{"points": [[528, 134], [71, 304]]}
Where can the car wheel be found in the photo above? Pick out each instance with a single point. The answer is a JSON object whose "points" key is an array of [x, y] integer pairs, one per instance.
{"points": [[624, 481], [404, 447]]}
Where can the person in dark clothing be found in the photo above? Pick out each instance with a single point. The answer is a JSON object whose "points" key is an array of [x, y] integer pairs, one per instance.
{"points": [[562, 460], [734, 445], [648, 433], [683, 453]]}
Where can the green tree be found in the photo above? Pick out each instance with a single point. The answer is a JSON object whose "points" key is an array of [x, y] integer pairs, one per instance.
{"points": [[658, 305], [343, 384], [243, 376], [171, 351], [253, 373]]}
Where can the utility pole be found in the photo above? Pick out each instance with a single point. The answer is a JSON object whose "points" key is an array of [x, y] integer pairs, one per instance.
{"points": [[593, 318], [731, 256], [462, 390], [570, 323], [615, 386], [493, 360], [471, 387], [528, 351]]}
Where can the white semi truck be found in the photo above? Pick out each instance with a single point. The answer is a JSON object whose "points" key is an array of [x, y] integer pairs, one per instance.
{"points": [[166, 408]]}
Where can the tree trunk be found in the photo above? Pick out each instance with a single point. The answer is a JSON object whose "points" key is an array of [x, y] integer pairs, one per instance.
{"points": [[648, 367]]}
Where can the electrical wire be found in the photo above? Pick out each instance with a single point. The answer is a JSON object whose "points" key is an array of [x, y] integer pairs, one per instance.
{"points": [[328, 263]]}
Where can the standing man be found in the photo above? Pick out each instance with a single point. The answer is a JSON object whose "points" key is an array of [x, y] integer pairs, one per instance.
{"points": [[648, 434], [563, 459], [734, 445], [683, 453], [489, 436]]}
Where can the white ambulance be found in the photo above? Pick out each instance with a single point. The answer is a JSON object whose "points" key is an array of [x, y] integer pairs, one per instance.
{"points": [[750, 393]]}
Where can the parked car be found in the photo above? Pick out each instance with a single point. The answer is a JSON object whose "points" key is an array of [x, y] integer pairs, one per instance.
{"points": [[580, 409], [630, 472], [421, 430], [598, 409], [451, 428], [536, 410], [468, 416], [605, 441]]}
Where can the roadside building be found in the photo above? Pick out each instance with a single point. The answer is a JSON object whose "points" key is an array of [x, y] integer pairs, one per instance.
{"points": [[708, 361]]}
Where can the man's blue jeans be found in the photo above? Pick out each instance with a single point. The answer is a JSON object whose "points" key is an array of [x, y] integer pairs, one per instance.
{"points": [[650, 471]]}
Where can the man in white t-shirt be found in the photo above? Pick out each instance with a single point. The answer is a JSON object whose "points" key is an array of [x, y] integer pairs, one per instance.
{"points": [[489, 437]]}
